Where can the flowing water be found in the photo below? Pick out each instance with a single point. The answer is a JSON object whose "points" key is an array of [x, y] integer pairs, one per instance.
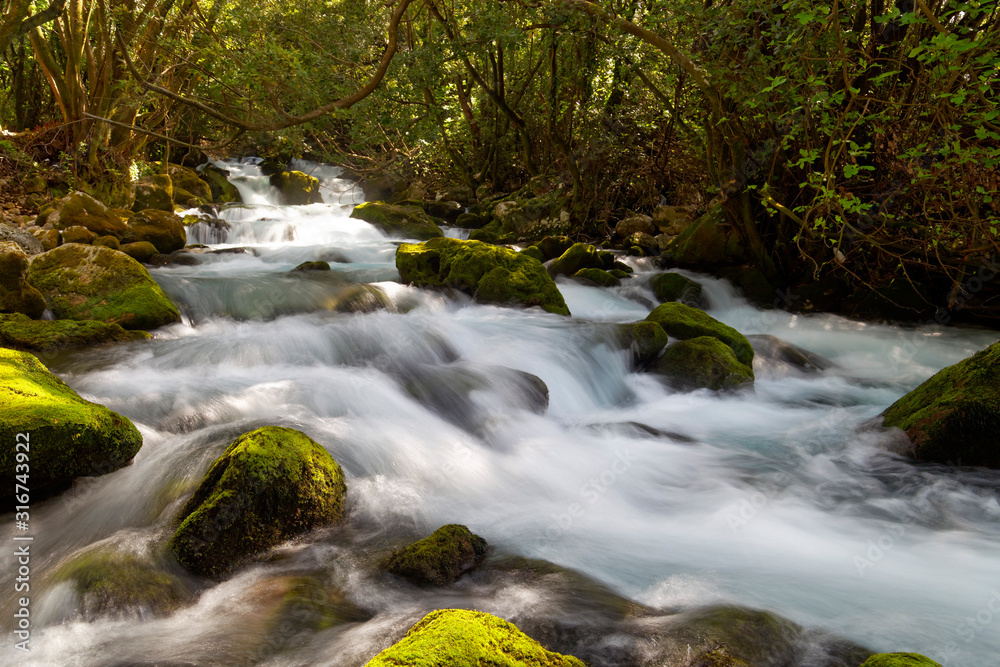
{"points": [[784, 499]]}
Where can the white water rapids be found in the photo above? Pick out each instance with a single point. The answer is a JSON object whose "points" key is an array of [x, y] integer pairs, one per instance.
{"points": [[782, 499]]}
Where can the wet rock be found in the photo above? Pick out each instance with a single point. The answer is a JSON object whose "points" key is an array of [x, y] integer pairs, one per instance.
{"points": [[154, 192], [80, 209], [223, 192], [16, 294], [955, 415], [360, 299], [69, 436], [675, 287], [641, 244], [776, 352], [399, 221], [470, 221], [270, 485], [312, 266], [703, 362], [162, 229], [554, 246], [597, 277], [708, 241], [26, 240], [491, 274], [82, 282], [439, 559], [645, 340], [682, 321], [446, 210], [297, 188], [899, 660], [461, 638], [23, 333], [578, 256], [187, 185]]}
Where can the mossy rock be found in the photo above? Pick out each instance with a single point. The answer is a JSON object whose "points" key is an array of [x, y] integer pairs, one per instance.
{"points": [[82, 282], [154, 192], [270, 485], [69, 436], [140, 251], [683, 321], [577, 256], [401, 221], [645, 340], [16, 294], [360, 299], [598, 277], [313, 266], [439, 559], [490, 273], [955, 415], [23, 333], [899, 660], [297, 188], [48, 238], [470, 221], [107, 242], [80, 209], [223, 192], [185, 199], [636, 223], [534, 218], [117, 585], [708, 241], [188, 184], [534, 252], [462, 638], [78, 234], [310, 605], [554, 246], [164, 230], [718, 657], [702, 363], [675, 287]]}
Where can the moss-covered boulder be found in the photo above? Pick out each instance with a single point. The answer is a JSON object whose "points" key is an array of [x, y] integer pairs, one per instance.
{"points": [[440, 558], [78, 234], [955, 415], [296, 188], [154, 192], [470, 220], [68, 436], [682, 321], [313, 266], [23, 333], [80, 209], [554, 246], [533, 218], [462, 638], [188, 185], [702, 363], [899, 660], [270, 485], [675, 287], [400, 221], [490, 273], [578, 256], [82, 282], [645, 340], [708, 241], [140, 251], [717, 657], [16, 294], [121, 585], [48, 238], [161, 228], [108, 242], [598, 277], [635, 223], [223, 192]]}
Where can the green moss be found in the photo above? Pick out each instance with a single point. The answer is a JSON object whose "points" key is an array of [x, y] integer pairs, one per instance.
{"points": [[440, 558], [577, 256], [675, 287], [644, 339], [16, 294], [703, 363], [188, 184], [708, 241], [554, 246], [162, 229], [223, 192], [461, 638], [719, 657], [69, 436], [899, 660], [470, 220], [107, 242], [80, 209], [491, 273], [140, 251], [78, 234], [270, 485], [92, 283], [313, 266], [401, 221], [311, 605], [533, 252], [154, 192], [954, 416], [598, 277], [116, 584], [683, 321], [297, 188], [23, 333]]}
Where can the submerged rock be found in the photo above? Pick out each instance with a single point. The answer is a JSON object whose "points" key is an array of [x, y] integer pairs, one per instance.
{"points": [[490, 273], [954, 416], [773, 351], [313, 266], [899, 660], [67, 436], [16, 294], [270, 485], [401, 221], [439, 559], [23, 333], [702, 363], [164, 230], [118, 584], [682, 321], [82, 282], [462, 638]]}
